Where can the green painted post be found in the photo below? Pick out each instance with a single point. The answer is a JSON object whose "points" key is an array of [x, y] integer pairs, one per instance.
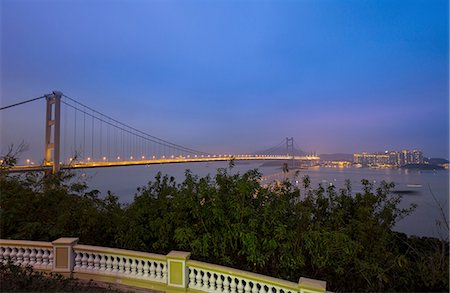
{"points": [[63, 257], [177, 271], [307, 285]]}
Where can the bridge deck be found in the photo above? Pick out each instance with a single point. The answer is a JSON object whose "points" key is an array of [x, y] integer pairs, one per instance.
{"points": [[103, 164]]}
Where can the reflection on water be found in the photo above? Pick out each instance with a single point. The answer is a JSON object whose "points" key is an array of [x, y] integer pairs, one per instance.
{"points": [[415, 186]]}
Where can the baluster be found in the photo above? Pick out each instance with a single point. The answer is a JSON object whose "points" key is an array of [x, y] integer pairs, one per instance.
{"points": [[140, 268], [115, 265], [199, 279], [108, 263], [6, 254], [19, 256], [226, 284], [152, 270], [32, 257], [205, 286], [45, 259], [255, 287], [146, 269], [219, 283], [121, 265], [247, 288], [103, 262], [133, 266], [39, 258], [90, 261], [263, 289], [84, 261], [158, 271], [78, 260], [50, 259], [212, 282], [191, 278], [164, 271], [233, 285], [2, 251], [12, 255], [127, 266], [26, 257], [96, 262], [240, 286]]}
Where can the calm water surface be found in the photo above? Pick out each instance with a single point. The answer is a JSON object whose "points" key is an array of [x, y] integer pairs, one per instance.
{"points": [[123, 181]]}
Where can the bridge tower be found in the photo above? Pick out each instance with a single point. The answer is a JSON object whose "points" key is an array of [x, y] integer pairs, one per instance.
{"points": [[290, 151], [290, 146], [52, 130]]}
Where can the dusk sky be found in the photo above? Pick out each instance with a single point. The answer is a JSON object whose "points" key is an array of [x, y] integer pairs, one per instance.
{"points": [[238, 76]]}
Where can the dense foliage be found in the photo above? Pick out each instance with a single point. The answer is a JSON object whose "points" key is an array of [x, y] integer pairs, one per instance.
{"points": [[24, 279], [339, 236]]}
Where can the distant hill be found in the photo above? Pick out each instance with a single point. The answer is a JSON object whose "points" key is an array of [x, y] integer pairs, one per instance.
{"points": [[336, 157], [281, 150], [436, 161], [423, 167]]}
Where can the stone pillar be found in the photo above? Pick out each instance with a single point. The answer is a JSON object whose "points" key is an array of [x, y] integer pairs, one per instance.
{"points": [[63, 255], [177, 271], [307, 285]]}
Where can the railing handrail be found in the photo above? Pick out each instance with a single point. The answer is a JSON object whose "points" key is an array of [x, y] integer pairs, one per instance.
{"points": [[26, 243], [243, 274], [120, 252]]}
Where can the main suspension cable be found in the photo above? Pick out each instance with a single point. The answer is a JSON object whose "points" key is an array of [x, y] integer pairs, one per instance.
{"points": [[176, 146], [21, 103]]}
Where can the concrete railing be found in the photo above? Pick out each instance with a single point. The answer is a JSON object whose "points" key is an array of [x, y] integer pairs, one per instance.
{"points": [[37, 254], [173, 272]]}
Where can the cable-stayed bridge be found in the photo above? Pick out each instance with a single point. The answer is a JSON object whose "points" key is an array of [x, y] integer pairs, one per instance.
{"points": [[78, 136]]}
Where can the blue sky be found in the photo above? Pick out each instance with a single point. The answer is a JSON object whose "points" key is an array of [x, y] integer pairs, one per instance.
{"points": [[238, 76]]}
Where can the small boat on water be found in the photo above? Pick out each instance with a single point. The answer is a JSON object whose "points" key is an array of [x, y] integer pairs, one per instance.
{"points": [[414, 185], [405, 191]]}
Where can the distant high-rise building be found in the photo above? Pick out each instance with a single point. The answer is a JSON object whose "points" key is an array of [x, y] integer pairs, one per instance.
{"points": [[371, 159], [395, 158]]}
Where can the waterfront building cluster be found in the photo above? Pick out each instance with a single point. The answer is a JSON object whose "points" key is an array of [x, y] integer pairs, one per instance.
{"points": [[389, 158]]}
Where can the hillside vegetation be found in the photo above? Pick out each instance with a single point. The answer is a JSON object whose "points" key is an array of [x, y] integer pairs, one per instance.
{"points": [[342, 237]]}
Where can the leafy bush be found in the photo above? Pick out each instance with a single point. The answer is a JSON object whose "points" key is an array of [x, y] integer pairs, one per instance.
{"points": [[15, 278], [339, 236]]}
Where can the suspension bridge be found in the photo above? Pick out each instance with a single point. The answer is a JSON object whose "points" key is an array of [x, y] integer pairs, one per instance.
{"points": [[78, 136]]}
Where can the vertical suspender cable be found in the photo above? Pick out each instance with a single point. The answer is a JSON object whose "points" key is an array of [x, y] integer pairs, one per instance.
{"points": [[115, 143], [75, 133], [123, 144], [101, 140], [92, 137], [84, 133], [64, 134], [107, 141]]}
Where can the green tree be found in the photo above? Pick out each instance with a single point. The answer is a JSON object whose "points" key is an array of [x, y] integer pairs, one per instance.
{"points": [[339, 236]]}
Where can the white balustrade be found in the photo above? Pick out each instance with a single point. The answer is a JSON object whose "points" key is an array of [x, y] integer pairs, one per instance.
{"points": [[119, 264], [209, 280], [22, 254]]}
